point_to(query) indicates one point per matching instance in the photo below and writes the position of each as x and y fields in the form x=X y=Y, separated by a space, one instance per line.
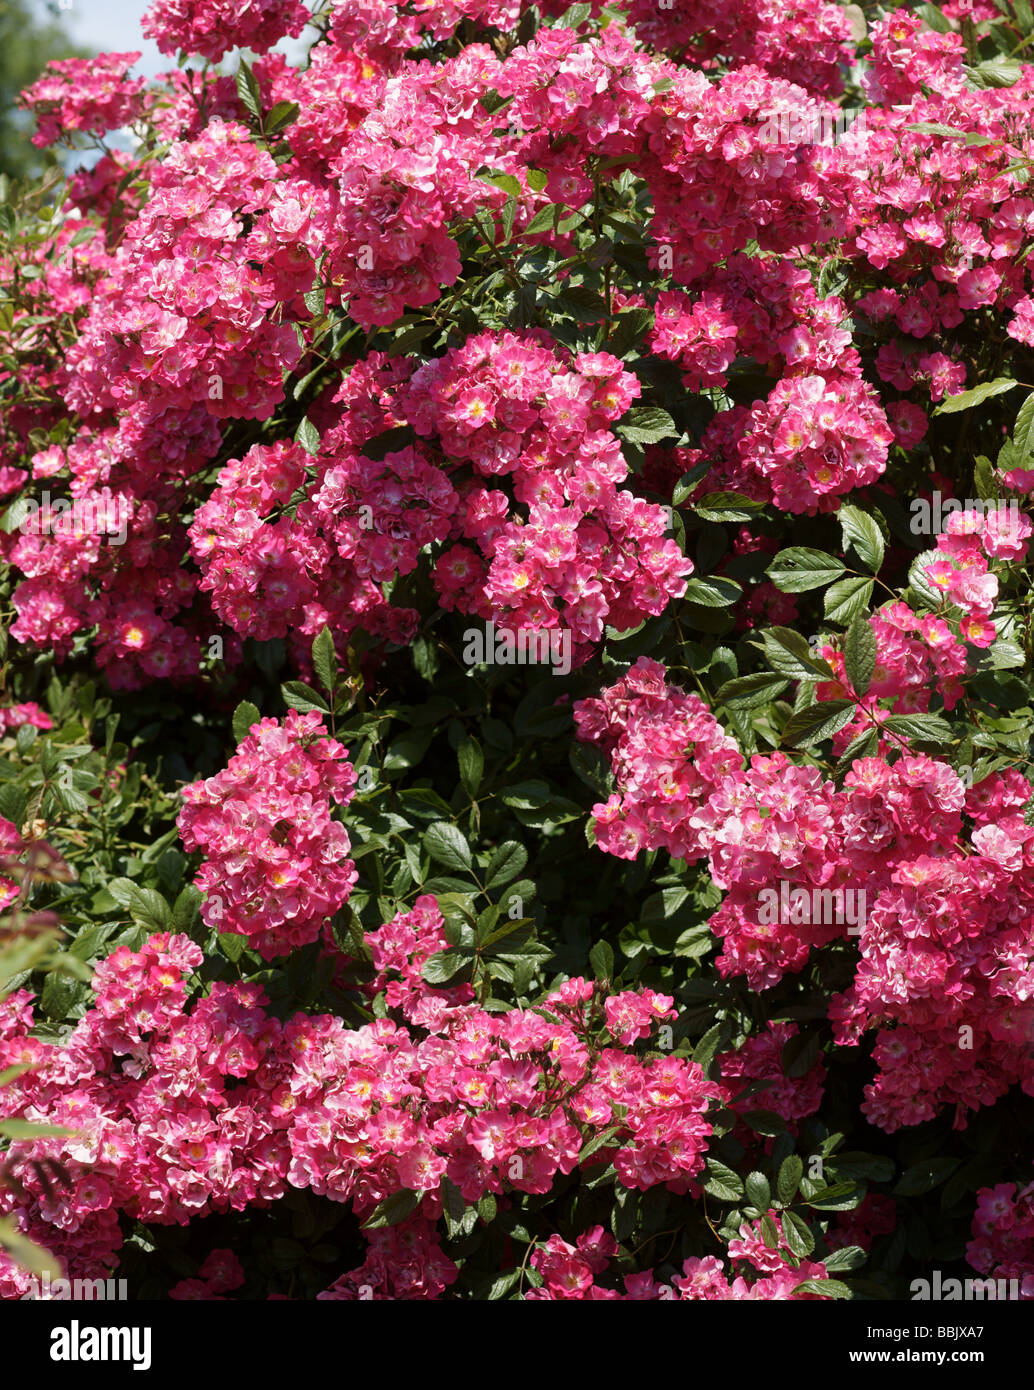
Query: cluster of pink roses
x=570 y=1271
x=588 y=553
x=959 y=569
x=276 y=865
x=1003 y=1235
x=941 y=914
x=212 y=27
x=177 y=302
x=182 y=1107
x=88 y=94
x=188 y=308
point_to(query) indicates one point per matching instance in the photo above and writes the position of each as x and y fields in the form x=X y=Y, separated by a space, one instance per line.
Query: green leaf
x=244 y=716
x=630 y=328
x=597 y=1142
x=985 y=485
x=843 y=1196
x=502 y=1284
x=72 y=800
x=1023 y=432
x=407 y=750
x=860 y=654
x=769 y=1232
x=507 y=182
x=928 y=728
x=765 y=1122
x=709 y=1045
x=122 y=890
x=688 y=482
x=863 y=532
x=978 y=1172
x=60 y=994
x=827 y=1288
x=472 y=765
x=759 y=1194
x=454 y=1205
x=647 y=425
x=281 y=116
x=799 y=568
x=751 y=692
x=392 y=1210
x=13 y=803
x=408 y=339
x=233 y=945
x=722 y=1182
x=799 y=1054
x=1002 y=656
x=601 y=958
x=301 y=697
x=845 y=599
x=26 y=1253
x=789 y=654
x=574 y=17
x=149 y=909
x=544 y=219
x=25 y=738
x=324 y=660
x=727 y=506
x=447 y=844
x=531 y=795
x=590 y=765
x=24 y=1129
x=864 y=746
x=580 y=303
x=664 y=906
x=439 y=969
x=923 y=1177
x=506 y=863
x=514 y=949
x=797 y=1234
x=185 y=909
x=845 y=1259
x=507 y=217
x=994 y=72
x=790 y=1172
x=143 y=904
x=308 y=436
x=934 y=18
x=978 y=394
x=918 y=580
x=713 y=592
x=9 y=1074
x=817 y=722
x=248 y=89
x=936 y=128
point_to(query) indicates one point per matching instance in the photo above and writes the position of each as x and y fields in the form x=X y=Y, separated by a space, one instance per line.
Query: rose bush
x=684 y=361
